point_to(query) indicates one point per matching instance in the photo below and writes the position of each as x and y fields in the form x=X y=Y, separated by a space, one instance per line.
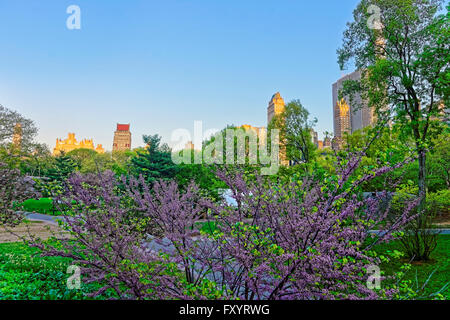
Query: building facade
x=122 y=138
x=260 y=132
x=326 y=142
x=17 y=136
x=314 y=137
x=71 y=143
x=276 y=106
x=349 y=115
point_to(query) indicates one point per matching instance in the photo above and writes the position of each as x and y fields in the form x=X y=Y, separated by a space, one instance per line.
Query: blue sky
x=160 y=65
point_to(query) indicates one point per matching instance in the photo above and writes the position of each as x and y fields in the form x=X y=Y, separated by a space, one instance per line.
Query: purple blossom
x=307 y=240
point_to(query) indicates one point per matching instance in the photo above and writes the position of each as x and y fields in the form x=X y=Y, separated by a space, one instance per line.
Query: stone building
x=122 y=138
x=189 y=146
x=260 y=132
x=71 y=143
x=314 y=137
x=276 y=106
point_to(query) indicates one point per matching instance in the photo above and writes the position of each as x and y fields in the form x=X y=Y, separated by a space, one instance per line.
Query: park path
x=43 y=217
x=54 y=220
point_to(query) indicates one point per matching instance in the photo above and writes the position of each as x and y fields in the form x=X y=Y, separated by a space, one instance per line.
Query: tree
x=438 y=164
x=11 y=123
x=308 y=239
x=37 y=161
x=90 y=161
x=81 y=155
x=14 y=189
x=108 y=241
x=63 y=166
x=405 y=62
x=203 y=176
x=295 y=132
x=121 y=161
x=155 y=161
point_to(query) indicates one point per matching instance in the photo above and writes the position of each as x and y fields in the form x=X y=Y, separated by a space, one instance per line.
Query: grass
x=440 y=261
x=208 y=227
x=43 y=205
x=24 y=275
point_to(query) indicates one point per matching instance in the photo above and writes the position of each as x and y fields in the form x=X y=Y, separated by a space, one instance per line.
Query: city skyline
x=185 y=62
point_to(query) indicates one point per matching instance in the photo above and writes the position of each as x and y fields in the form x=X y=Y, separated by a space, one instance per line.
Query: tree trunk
x=422 y=181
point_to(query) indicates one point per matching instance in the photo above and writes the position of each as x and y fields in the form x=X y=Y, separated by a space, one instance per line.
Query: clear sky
x=160 y=65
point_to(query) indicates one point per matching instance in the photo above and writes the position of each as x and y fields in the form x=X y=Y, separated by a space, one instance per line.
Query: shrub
x=305 y=240
x=419 y=239
x=439 y=203
x=14 y=188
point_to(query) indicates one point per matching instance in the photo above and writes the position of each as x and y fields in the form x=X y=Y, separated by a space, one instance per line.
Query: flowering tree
x=14 y=189
x=108 y=240
x=306 y=240
x=402 y=49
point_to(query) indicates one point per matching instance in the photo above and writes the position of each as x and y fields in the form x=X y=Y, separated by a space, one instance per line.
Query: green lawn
x=26 y=275
x=43 y=205
x=440 y=261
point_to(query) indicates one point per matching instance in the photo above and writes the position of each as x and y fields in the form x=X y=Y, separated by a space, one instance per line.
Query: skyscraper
x=276 y=106
x=349 y=114
x=314 y=137
x=122 y=138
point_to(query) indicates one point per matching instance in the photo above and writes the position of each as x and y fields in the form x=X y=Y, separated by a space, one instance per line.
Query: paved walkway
x=54 y=220
x=43 y=217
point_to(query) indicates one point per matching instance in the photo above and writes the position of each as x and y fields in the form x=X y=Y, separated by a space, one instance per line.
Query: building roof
x=123 y=127
x=277 y=99
x=276 y=96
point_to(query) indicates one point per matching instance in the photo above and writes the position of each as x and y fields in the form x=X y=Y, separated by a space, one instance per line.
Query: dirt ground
x=36 y=228
x=443 y=220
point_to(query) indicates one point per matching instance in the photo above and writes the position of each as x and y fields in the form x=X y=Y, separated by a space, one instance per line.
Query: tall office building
x=349 y=114
x=276 y=106
x=122 y=138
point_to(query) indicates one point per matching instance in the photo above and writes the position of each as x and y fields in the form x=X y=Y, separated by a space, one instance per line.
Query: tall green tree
x=38 y=161
x=90 y=161
x=155 y=161
x=63 y=166
x=295 y=128
x=9 y=120
x=438 y=164
x=17 y=138
x=402 y=48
